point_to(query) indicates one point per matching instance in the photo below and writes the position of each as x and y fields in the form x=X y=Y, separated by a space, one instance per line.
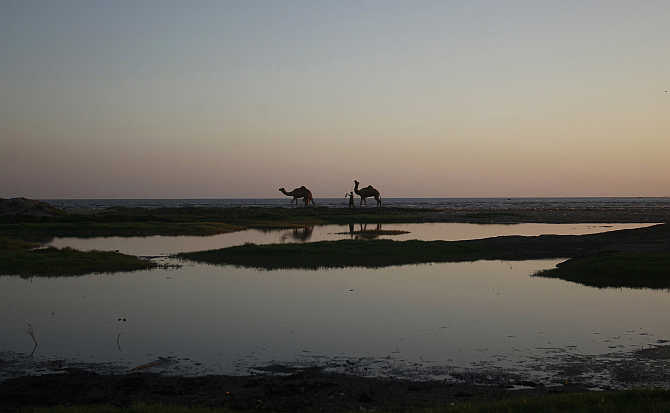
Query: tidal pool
x=403 y=321
x=166 y=245
x=416 y=321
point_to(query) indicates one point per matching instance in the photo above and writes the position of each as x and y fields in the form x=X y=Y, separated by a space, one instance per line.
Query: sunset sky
x=226 y=99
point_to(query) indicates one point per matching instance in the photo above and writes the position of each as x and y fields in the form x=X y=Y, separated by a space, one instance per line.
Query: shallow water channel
x=410 y=321
x=165 y=245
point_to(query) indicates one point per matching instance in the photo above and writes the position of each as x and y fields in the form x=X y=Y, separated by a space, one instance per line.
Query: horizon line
x=338 y=197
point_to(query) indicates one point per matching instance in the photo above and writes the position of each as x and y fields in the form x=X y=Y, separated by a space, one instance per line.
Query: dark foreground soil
x=308 y=390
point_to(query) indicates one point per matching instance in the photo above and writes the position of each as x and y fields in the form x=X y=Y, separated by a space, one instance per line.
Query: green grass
x=66 y=262
x=592 y=402
x=616 y=269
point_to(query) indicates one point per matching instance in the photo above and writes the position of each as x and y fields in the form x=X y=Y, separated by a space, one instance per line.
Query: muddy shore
x=287 y=388
x=305 y=390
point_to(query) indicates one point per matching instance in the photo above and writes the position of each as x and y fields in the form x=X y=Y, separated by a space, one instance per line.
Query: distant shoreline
x=496 y=203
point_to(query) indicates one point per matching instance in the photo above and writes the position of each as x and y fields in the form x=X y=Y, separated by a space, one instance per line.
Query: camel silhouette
x=367 y=192
x=297 y=193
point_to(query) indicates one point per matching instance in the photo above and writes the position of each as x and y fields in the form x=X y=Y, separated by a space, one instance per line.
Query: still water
x=165 y=245
x=395 y=320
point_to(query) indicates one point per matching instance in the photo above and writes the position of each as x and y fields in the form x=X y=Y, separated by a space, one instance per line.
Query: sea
x=451 y=203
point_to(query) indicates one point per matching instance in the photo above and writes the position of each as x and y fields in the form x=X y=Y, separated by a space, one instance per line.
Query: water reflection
x=231 y=319
x=365 y=233
x=303 y=234
x=165 y=245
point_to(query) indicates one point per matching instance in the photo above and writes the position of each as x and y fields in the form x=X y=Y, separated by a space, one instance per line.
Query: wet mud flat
x=290 y=388
x=302 y=390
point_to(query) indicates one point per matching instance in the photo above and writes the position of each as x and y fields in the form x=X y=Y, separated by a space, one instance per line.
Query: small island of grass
x=21 y=258
x=616 y=269
x=625 y=258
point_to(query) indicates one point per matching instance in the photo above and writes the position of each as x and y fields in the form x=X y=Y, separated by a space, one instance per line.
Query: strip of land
x=33 y=221
x=22 y=258
x=380 y=253
x=616 y=269
x=42 y=224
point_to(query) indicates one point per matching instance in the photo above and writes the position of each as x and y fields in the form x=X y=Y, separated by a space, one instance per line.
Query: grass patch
x=593 y=402
x=628 y=267
x=66 y=262
x=343 y=253
x=616 y=269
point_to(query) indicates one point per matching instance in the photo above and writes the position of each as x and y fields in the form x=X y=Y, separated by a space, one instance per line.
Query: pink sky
x=419 y=99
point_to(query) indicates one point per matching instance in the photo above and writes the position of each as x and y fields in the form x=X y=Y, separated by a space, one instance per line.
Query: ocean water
x=452 y=203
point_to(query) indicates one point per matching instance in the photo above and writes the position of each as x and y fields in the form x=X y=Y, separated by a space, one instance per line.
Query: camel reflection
x=298 y=234
x=364 y=232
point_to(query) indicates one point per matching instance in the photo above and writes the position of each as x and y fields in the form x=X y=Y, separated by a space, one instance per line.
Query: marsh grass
x=380 y=253
x=66 y=262
x=615 y=269
x=343 y=253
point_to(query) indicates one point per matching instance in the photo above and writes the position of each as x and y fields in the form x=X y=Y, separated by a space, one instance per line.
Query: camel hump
x=369 y=187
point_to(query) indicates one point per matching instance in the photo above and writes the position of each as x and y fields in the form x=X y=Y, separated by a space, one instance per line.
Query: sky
x=234 y=99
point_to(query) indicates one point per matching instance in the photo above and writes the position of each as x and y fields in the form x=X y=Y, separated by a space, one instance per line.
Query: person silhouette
x=351 y=199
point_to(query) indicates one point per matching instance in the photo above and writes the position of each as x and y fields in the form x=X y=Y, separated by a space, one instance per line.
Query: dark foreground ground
x=289 y=389
x=309 y=390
